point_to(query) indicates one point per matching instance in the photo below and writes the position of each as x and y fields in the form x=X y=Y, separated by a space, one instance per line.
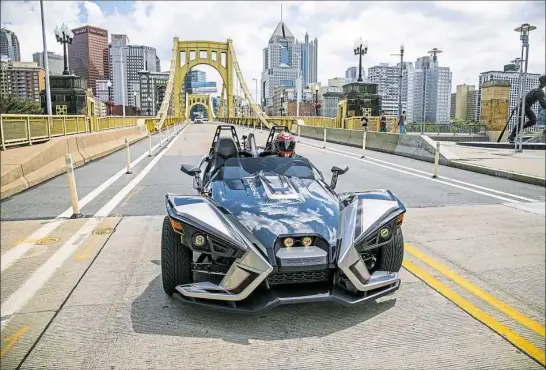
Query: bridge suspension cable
x=253 y=104
x=167 y=102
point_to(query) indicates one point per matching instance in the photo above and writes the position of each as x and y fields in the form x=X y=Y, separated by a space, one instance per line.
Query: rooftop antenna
x=434 y=53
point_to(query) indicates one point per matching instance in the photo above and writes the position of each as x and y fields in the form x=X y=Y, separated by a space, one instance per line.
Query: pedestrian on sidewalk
x=402 y=122
x=364 y=122
x=383 y=123
x=533 y=96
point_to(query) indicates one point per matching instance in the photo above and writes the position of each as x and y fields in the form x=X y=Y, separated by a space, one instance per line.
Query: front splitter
x=265 y=300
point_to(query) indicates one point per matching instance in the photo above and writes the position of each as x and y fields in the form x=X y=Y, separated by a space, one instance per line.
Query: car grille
x=298 y=277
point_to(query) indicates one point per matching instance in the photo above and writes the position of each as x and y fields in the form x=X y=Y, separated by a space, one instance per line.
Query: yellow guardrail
x=151 y=123
x=355 y=123
x=115 y=122
x=27 y=129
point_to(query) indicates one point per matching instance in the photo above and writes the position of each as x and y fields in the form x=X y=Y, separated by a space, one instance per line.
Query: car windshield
x=238 y=168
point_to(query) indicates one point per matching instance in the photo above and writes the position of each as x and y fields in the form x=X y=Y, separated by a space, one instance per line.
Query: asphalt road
x=86 y=293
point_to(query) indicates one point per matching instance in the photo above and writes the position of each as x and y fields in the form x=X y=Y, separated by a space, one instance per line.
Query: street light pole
x=64 y=36
x=46 y=62
x=524 y=30
x=360 y=49
x=316 y=98
x=401 y=55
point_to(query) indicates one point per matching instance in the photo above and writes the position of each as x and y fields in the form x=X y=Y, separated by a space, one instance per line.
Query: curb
x=56 y=172
x=528 y=179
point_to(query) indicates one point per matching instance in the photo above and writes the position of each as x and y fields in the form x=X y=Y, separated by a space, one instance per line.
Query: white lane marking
x=8 y=258
x=18 y=251
x=421 y=176
x=443 y=177
x=38 y=279
x=99 y=189
x=116 y=199
x=26 y=291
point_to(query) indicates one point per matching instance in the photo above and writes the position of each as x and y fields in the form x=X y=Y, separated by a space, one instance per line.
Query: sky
x=474 y=36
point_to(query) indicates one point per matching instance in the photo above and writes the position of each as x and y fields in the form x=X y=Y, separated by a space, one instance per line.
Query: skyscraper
x=87 y=55
x=511 y=76
x=9 y=46
x=309 y=60
x=426 y=88
x=388 y=83
x=55 y=62
x=129 y=60
x=461 y=102
x=352 y=74
x=280 y=62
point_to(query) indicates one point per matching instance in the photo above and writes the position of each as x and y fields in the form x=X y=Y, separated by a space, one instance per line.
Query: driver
x=284 y=145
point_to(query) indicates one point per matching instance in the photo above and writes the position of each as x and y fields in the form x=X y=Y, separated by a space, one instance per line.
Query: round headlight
x=199 y=240
x=384 y=233
x=288 y=242
x=307 y=241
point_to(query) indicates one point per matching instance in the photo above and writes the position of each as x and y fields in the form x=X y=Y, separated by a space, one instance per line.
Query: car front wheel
x=176 y=259
x=391 y=254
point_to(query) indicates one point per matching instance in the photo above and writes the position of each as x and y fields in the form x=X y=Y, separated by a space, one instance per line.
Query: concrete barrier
x=413 y=146
x=26 y=167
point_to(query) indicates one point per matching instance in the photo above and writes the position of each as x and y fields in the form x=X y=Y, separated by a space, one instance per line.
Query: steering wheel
x=245 y=153
x=295 y=162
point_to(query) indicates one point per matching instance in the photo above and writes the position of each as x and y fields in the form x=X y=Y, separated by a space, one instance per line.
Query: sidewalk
x=529 y=166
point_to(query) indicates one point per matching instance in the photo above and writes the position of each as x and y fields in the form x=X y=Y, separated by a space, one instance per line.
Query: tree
x=11 y=105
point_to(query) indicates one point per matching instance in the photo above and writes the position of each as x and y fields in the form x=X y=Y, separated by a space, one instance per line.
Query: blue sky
x=475 y=36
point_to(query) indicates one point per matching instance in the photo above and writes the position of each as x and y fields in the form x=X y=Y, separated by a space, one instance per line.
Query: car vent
x=298 y=277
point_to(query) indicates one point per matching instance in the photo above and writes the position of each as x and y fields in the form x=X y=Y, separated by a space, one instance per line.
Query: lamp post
x=360 y=49
x=64 y=36
x=523 y=30
x=46 y=62
x=401 y=55
x=316 y=98
x=282 y=108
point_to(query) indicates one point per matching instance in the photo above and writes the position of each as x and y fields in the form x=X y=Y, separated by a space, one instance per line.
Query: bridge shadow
x=153 y=312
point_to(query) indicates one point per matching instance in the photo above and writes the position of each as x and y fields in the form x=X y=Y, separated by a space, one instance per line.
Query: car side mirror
x=336 y=171
x=190 y=170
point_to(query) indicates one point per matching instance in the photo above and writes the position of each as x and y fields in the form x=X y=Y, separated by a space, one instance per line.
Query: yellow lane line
x=12 y=339
x=498 y=304
x=90 y=246
x=523 y=344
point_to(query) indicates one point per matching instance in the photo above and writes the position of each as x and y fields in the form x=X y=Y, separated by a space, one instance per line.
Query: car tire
x=176 y=259
x=391 y=254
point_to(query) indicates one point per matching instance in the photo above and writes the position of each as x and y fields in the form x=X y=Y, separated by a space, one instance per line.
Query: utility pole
x=46 y=62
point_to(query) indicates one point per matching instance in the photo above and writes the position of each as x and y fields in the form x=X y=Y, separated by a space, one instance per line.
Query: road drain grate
x=46 y=241
x=103 y=231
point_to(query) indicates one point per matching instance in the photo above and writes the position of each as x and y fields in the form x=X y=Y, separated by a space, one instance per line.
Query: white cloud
x=474 y=36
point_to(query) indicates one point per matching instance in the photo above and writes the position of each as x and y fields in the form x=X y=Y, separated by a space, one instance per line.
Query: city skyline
x=456 y=31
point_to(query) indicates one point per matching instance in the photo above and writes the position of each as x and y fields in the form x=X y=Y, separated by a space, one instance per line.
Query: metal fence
x=437 y=128
x=28 y=129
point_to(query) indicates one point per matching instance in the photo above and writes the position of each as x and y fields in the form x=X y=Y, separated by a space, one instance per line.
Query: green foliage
x=11 y=105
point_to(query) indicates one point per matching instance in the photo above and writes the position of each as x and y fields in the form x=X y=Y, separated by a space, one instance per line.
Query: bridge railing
x=437 y=128
x=18 y=129
x=116 y=122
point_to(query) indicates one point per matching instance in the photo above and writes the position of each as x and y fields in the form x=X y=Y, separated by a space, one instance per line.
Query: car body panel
x=254 y=204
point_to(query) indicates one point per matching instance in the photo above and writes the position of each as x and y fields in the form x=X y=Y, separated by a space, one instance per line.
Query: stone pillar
x=495 y=107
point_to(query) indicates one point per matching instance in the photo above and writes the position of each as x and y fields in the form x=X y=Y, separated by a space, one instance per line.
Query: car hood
x=269 y=206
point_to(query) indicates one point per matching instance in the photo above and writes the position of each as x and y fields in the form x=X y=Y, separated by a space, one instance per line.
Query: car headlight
x=288 y=242
x=199 y=241
x=307 y=241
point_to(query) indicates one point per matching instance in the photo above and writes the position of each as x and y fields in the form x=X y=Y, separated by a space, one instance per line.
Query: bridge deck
x=94 y=300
